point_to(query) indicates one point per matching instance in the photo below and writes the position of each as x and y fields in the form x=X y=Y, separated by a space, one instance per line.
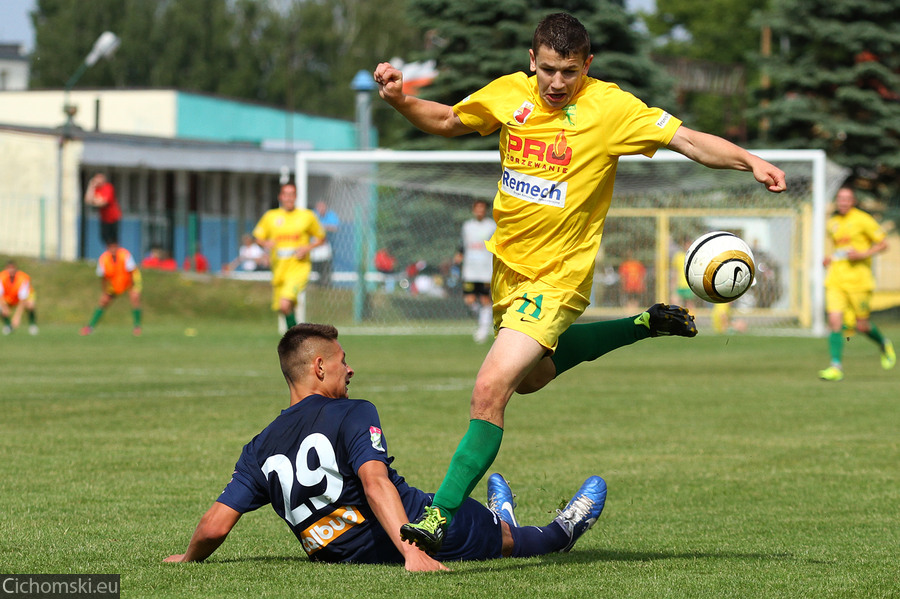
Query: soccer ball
x=719 y=267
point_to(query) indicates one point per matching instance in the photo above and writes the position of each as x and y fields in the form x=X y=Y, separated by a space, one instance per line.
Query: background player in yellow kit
x=849 y=284
x=16 y=295
x=289 y=234
x=561 y=133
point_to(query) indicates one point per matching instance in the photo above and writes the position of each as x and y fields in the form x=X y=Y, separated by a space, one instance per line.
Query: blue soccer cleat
x=501 y=499
x=582 y=510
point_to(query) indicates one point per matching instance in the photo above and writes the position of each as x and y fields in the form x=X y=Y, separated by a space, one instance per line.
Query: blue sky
x=15 y=24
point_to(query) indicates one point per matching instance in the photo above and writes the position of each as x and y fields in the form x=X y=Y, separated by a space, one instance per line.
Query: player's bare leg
x=510 y=358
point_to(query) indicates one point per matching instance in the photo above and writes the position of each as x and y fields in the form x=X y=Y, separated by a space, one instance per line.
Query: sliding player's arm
x=211 y=532
x=383 y=498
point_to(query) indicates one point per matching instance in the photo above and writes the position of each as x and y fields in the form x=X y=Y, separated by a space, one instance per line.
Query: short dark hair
x=297 y=347
x=564 y=34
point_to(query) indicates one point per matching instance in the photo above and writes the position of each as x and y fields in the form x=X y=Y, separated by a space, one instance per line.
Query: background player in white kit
x=477 y=266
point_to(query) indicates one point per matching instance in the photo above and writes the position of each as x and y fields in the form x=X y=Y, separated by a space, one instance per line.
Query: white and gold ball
x=719 y=267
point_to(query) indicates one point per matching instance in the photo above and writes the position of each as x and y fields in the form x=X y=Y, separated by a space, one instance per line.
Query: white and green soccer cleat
x=832 y=373
x=888 y=357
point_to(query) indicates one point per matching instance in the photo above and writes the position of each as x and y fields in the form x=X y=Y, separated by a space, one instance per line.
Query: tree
x=327 y=42
x=836 y=85
x=297 y=55
x=476 y=41
x=193 y=45
x=714 y=35
x=65 y=32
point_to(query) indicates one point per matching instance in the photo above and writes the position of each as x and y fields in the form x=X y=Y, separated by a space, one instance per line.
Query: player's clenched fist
x=389 y=80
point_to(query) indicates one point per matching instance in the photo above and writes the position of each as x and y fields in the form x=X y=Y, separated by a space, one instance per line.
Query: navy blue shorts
x=474 y=534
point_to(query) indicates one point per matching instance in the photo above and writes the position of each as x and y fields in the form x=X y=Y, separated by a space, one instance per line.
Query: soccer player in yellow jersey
x=289 y=234
x=855 y=237
x=561 y=133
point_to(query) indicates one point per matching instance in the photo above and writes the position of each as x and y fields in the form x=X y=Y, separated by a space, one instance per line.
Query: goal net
x=393 y=268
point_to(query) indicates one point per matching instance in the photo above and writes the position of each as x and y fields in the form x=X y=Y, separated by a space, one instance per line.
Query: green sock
x=97 y=314
x=7 y=321
x=836 y=347
x=32 y=318
x=875 y=335
x=290 y=320
x=474 y=455
x=586 y=342
x=136 y=315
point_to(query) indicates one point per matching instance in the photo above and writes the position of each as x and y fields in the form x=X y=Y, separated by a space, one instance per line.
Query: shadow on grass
x=600 y=556
x=577 y=557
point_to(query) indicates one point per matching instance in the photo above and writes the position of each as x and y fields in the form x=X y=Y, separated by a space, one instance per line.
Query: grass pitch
x=732 y=471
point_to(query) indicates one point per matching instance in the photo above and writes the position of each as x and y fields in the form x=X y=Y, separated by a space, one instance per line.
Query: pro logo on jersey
x=521 y=115
x=375 y=436
x=329 y=528
x=523 y=149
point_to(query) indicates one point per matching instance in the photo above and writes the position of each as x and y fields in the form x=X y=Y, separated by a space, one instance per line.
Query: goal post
x=410 y=206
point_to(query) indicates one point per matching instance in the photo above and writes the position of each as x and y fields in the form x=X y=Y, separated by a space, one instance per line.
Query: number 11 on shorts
x=536 y=302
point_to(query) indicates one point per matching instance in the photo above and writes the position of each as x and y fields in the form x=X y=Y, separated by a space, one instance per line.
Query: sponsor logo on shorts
x=329 y=528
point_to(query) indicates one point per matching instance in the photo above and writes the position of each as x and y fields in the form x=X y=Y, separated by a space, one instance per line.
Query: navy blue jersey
x=305 y=464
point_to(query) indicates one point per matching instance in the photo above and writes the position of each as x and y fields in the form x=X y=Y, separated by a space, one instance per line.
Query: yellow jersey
x=289 y=231
x=558 y=169
x=854 y=230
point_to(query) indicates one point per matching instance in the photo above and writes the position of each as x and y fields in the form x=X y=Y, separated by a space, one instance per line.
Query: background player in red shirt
x=101 y=194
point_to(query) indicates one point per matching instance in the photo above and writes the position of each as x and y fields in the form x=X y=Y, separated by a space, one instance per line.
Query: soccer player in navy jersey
x=323 y=464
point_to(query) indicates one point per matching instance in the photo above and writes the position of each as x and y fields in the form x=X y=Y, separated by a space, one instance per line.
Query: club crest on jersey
x=375 y=436
x=521 y=115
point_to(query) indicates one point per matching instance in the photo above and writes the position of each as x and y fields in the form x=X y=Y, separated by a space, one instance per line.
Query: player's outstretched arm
x=214 y=526
x=716 y=152
x=430 y=117
x=385 y=502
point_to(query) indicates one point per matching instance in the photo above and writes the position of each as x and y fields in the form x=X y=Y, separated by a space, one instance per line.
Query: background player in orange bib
x=561 y=134
x=119 y=274
x=16 y=295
